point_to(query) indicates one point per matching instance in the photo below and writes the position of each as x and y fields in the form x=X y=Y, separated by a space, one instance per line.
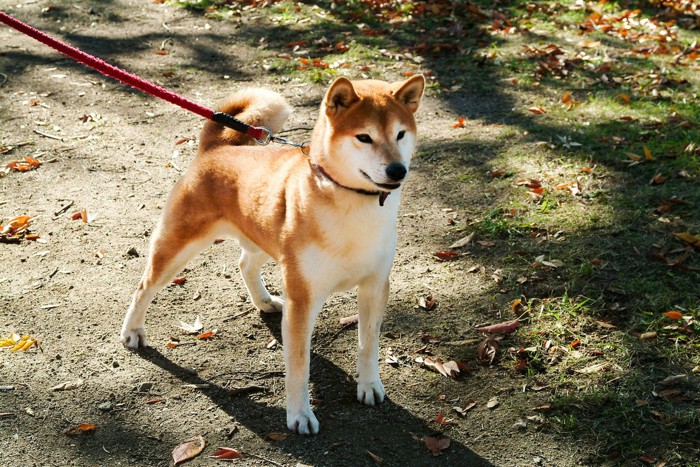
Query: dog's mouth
x=385 y=186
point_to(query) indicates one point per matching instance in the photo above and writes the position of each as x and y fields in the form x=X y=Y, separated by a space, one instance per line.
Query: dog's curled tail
x=254 y=106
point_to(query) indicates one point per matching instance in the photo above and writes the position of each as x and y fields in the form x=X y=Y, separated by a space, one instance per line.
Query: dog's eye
x=400 y=136
x=364 y=138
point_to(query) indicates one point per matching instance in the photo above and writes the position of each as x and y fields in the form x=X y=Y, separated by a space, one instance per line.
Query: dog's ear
x=409 y=92
x=340 y=96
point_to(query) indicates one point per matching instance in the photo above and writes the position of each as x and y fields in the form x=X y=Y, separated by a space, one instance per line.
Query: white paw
x=133 y=338
x=304 y=422
x=370 y=393
x=273 y=305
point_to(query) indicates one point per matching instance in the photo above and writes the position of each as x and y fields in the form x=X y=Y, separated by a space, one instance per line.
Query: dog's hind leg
x=372 y=296
x=251 y=263
x=170 y=252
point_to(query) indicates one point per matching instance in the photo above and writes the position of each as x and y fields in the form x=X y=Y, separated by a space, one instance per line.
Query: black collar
x=382 y=194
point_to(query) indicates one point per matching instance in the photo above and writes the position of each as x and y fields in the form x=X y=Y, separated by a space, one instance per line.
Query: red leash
x=261 y=134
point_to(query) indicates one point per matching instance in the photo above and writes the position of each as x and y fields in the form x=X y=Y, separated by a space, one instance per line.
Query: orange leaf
x=189 y=449
x=179 y=280
x=647 y=154
x=161 y=52
x=207 y=335
x=564 y=186
x=624 y=98
x=460 y=122
x=673 y=314
x=82 y=428
x=537 y=110
x=575 y=343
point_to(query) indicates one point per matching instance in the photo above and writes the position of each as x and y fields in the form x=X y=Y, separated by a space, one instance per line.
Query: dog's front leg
x=372 y=296
x=298 y=320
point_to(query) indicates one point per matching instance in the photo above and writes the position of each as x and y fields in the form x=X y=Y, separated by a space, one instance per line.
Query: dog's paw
x=370 y=393
x=133 y=338
x=273 y=305
x=304 y=423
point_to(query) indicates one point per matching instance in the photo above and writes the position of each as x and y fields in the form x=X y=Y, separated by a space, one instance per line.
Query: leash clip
x=266 y=137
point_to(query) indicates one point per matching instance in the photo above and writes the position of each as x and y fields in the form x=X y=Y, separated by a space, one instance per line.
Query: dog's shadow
x=348 y=429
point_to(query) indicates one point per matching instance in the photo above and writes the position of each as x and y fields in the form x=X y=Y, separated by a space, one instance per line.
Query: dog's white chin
x=388 y=187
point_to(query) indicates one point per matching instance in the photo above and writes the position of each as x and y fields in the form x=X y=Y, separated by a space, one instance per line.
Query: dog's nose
x=396 y=171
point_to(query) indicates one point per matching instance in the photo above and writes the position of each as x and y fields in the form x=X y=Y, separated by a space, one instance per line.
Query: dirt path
x=115 y=153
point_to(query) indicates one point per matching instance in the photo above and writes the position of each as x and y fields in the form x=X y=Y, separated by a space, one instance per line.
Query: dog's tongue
x=382 y=197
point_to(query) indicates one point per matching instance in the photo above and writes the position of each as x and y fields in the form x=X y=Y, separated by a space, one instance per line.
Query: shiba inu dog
x=327 y=219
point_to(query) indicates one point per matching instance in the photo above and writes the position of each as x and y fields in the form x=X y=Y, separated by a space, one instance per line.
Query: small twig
x=262 y=458
x=4 y=78
x=237 y=315
x=47 y=135
x=64 y=209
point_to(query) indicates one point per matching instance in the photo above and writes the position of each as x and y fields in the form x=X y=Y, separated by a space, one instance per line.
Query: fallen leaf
x=272 y=344
x=493 y=403
x=427 y=303
x=224 y=454
x=647 y=154
x=375 y=457
x=537 y=110
x=193 y=328
x=487 y=350
x=350 y=319
x=276 y=436
x=207 y=335
x=80 y=429
x=462 y=242
x=461 y=123
x=68 y=385
x=593 y=368
x=189 y=449
x=672 y=380
x=447 y=255
x=179 y=280
x=470 y=404
x=657 y=179
x=648 y=335
x=624 y=98
x=673 y=314
x=441 y=420
x=685 y=237
x=436 y=445
x=501 y=328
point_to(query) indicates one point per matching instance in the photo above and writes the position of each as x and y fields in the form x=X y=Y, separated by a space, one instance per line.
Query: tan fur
x=279 y=204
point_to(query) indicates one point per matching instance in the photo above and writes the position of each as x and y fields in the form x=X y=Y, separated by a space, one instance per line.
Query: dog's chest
x=353 y=245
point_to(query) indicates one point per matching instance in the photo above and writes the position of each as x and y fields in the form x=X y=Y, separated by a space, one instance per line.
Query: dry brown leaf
x=189 y=449
x=501 y=328
x=225 y=454
x=470 y=404
x=276 y=436
x=487 y=350
x=436 y=445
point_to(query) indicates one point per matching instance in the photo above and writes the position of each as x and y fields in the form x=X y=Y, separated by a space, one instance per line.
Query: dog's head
x=366 y=133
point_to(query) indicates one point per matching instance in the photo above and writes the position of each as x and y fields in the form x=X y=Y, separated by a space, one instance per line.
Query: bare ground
x=114 y=152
